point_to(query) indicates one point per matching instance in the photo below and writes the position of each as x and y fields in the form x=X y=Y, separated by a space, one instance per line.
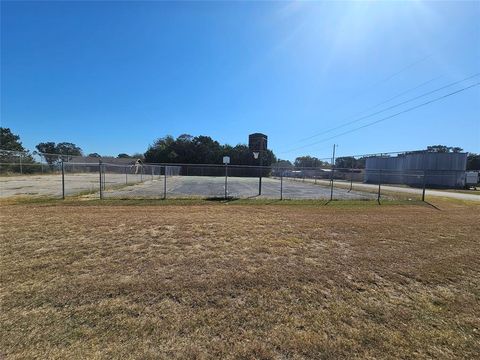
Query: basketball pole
x=260 y=180
x=226 y=181
x=261 y=169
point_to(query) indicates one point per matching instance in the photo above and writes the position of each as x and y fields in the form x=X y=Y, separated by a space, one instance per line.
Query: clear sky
x=114 y=76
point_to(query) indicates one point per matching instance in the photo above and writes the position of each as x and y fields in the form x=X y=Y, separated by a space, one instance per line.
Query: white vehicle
x=471 y=179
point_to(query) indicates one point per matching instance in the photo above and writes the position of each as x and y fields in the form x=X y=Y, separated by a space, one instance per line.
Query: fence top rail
x=66 y=163
x=286 y=171
x=222 y=166
x=190 y=165
x=28 y=153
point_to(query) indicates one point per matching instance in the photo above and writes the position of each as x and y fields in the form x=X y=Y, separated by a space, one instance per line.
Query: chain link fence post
x=351 y=174
x=63 y=181
x=165 y=182
x=100 y=178
x=281 y=184
x=331 y=182
x=104 y=176
x=424 y=184
x=333 y=173
x=379 y=185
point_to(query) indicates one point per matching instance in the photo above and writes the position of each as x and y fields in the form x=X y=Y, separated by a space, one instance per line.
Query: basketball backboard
x=257 y=142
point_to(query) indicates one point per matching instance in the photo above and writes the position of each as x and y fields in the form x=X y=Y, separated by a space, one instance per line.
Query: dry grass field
x=239 y=281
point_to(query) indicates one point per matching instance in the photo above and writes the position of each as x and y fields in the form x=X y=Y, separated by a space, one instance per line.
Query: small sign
x=226 y=160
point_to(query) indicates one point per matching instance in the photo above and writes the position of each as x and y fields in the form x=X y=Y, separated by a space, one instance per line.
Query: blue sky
x=114 y=76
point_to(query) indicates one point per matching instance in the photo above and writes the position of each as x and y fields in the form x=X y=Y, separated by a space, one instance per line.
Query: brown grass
x=240 y=281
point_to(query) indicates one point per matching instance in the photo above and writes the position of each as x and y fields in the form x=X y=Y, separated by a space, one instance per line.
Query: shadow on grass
x=222 y=199
x=433 y=206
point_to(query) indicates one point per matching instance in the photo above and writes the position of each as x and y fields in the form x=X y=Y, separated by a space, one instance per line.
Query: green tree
x=47 y=151
x=53 y=153
x=473 y=161
x=360 y=163
x=309 y=161
x=94 y=155
x=349 y=162
x=202 y=150
x=443 y=149
x=67 y=148
x=161 y=151
x=284 y=164
x=206 y=150
x=123 y=156
x=10 y=141
x=13 y=155
x=345 y=162
x=138 y=156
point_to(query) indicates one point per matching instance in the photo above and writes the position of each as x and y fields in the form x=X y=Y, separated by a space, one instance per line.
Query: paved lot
x=147 y=186
x=473 y=196
x=177 y=186
x=51 y=185
x=197 y=186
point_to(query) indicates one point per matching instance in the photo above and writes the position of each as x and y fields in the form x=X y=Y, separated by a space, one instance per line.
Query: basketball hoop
x=255 y=154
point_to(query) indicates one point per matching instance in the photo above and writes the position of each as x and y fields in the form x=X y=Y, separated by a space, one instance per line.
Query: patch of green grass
x=462 y=191
x=79 y=201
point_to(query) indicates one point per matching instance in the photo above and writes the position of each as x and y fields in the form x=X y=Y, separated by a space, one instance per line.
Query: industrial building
x=442 y=170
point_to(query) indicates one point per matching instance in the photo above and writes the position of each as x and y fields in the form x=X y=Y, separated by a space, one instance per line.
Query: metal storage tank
x=444 y=169
x=388 y=170
x=440 y=169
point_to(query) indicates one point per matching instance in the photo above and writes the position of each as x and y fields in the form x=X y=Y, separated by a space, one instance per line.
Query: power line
x=390 y=116
x=391 y=107
x=401 y=112
x=383 y=102
x=405 y=68
x=404 y=92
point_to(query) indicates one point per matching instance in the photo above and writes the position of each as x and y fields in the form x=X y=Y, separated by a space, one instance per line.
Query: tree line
x=201 y=149
x=187 y=149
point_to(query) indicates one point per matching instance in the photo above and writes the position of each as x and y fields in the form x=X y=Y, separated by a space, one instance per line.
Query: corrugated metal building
x=440 y=169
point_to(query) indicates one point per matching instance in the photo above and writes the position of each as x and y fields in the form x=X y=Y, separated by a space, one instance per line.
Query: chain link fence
x=65 y=176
